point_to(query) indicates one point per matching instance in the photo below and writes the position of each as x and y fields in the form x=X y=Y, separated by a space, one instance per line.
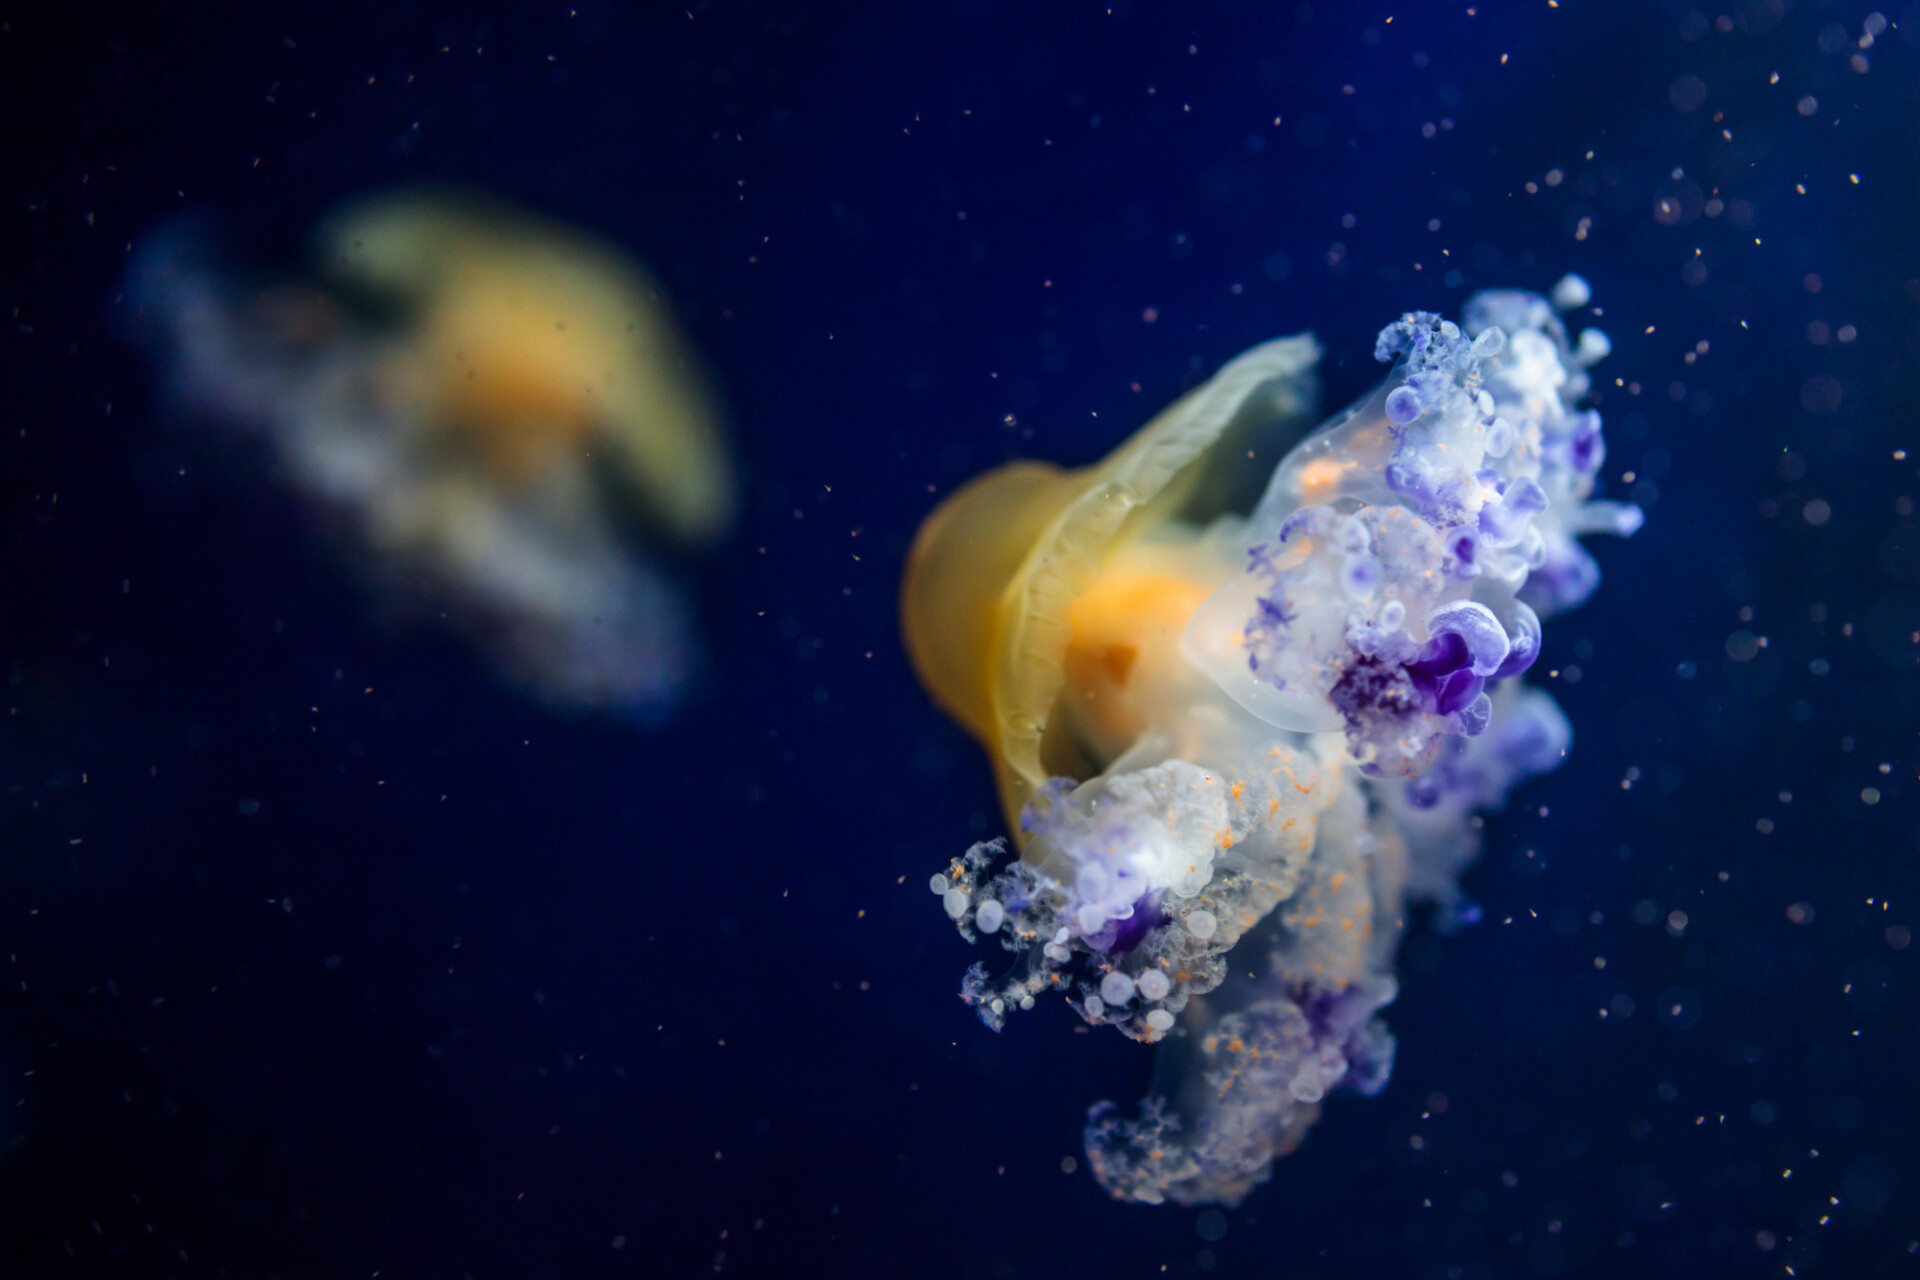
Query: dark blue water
x=326 y=956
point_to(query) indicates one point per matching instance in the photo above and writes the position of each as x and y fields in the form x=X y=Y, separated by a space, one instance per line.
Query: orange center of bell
x=512 y=384
x=1125 y=652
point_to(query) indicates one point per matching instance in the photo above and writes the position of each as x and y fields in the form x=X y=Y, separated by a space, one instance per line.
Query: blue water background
x=326 y=956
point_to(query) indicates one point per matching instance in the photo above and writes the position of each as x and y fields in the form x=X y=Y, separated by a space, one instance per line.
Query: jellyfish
x=497 y=413
x=1241 y=715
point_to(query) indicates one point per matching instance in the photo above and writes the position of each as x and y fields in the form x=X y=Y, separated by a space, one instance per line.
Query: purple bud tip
x=1443 y=673
x=1463 y=544
x=1627 y=521
x=1526 y=643
x=1476 y=715
x=1403 y=405
x=1486 y=640
x=1526 y=498
x=1131 y=932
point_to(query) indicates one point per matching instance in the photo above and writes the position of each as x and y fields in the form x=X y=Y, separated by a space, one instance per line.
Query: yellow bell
x=1014 y=597
x=529 y=339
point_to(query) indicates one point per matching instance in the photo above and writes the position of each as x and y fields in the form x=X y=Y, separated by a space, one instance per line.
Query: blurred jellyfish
x=1232 y=747
x=493 y=407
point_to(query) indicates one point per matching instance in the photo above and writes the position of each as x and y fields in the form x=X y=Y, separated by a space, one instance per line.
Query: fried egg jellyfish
x=496 y=407
x=1233 y=747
